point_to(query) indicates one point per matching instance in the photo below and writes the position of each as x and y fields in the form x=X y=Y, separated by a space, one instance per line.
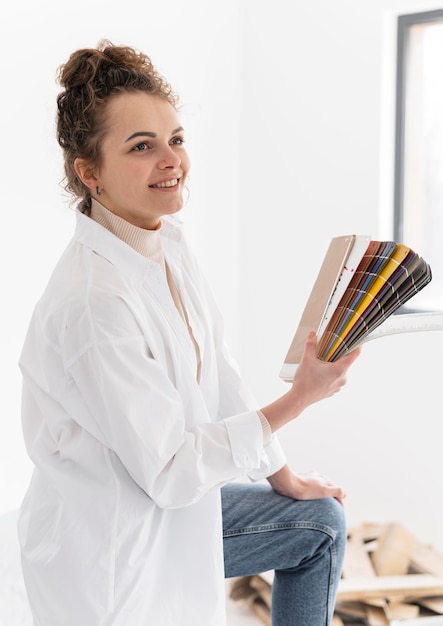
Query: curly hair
x=90 y=77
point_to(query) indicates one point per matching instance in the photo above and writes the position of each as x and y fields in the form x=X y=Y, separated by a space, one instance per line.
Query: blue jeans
x=302 y=540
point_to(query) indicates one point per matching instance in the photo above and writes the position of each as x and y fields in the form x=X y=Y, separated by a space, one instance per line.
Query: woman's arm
x=314 y=380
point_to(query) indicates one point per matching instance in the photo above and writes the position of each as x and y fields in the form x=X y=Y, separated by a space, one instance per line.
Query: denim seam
x=331 y=586
x=264 y=528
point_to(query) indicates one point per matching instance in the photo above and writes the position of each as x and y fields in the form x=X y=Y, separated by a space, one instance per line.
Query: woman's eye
x=178 y=141
x=140 y=147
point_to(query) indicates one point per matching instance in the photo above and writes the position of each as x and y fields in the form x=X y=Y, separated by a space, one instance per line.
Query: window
x=418 y=201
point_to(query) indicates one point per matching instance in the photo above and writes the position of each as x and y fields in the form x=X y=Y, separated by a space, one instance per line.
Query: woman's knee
x=332 y=515
x=327 y=522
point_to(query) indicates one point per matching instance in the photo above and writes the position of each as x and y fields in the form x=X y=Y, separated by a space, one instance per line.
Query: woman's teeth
x=168 y=183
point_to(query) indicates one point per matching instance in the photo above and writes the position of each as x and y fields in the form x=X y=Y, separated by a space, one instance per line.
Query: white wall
x=288 y=115
x=316 y=153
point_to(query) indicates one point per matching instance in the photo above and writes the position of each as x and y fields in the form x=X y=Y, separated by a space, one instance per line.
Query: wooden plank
x=402 y=611
x=390 y=587
x=419 y=621
x=240 y=588
x=376 y=616
x=263 y=588
x=351 y=609
x=426 y=560
x=379 y=602
x=392 y=555
x=370 y=531
x=434 y=604
x=357 y=562
x=261 y=611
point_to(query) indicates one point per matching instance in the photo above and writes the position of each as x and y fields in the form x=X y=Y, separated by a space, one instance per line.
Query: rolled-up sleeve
x=262 y=461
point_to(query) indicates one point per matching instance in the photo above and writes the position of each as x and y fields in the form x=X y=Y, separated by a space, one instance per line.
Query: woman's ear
x=86 y=173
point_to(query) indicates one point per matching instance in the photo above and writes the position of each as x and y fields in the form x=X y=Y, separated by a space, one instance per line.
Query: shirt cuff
x=266 y=427
x=246 y=438
x=276 y=456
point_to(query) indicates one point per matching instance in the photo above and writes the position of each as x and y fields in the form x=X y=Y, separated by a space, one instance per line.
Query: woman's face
x=144 y=162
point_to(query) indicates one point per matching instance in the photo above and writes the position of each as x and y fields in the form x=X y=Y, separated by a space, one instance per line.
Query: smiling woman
x=134 y=414
x=142 y=173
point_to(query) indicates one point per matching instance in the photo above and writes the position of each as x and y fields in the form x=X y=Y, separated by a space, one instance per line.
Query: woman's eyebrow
x=141 y=133
x=147 y=133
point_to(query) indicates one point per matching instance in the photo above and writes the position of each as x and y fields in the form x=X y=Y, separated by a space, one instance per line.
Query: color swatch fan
x=361 y=283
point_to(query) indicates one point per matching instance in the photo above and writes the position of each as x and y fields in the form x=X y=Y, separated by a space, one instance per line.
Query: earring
x=97 y=191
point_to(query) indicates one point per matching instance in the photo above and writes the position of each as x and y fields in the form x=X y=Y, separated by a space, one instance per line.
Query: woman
x=133 y=413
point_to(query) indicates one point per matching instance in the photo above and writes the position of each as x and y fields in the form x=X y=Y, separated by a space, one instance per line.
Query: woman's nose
x=169 y=158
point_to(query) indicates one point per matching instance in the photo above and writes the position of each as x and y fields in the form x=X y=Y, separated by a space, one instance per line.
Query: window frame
x=404 y=23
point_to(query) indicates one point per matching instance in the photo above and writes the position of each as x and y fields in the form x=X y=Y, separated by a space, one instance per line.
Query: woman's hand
x=314 y=380
x=305 y=485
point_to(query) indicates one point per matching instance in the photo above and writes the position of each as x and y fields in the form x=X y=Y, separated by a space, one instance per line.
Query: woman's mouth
x=165 y=184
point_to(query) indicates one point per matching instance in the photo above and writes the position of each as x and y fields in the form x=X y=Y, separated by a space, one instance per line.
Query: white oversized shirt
x=121 y=525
